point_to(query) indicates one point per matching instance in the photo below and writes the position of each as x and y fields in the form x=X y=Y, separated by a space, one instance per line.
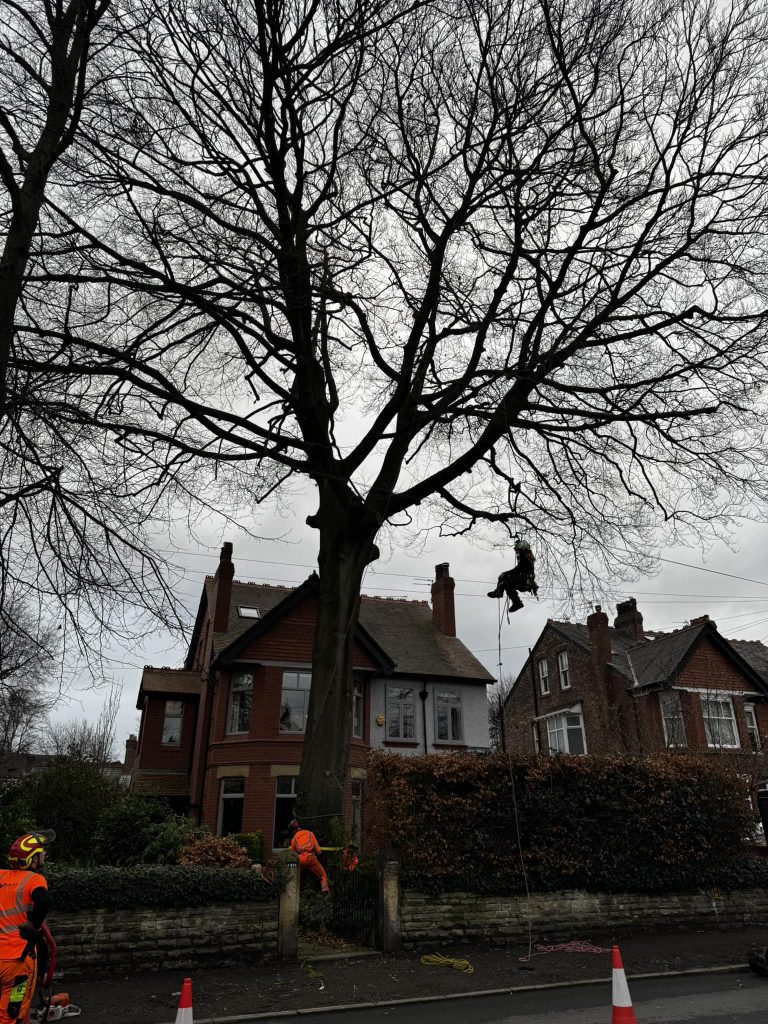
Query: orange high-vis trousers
x=17 y=986
x=308 y=862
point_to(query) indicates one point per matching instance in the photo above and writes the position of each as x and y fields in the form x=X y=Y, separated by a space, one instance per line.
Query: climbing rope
x=438 y=960
x=566 y=947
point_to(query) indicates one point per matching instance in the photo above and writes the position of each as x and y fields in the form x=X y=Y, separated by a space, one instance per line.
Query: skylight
x=246 y=612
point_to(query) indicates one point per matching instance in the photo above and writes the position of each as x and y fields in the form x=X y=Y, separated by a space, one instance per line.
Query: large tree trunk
x=347 y=545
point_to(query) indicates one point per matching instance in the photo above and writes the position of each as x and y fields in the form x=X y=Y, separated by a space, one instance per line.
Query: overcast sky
x=738 y=602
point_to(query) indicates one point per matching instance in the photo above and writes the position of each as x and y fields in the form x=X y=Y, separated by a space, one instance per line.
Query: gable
x=710 y=666
x=289 y=638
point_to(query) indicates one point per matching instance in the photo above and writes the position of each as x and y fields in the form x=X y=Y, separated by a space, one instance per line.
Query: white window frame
x=753 y=731
x=297 y=676
x=240 y=684
x=563 y=670
x=671 y=696
x=358 y=709
x=543 y=669
x=402 y=702
x=450 y=706
x=168 y=717
x=561 y=726
x=717 y=745
x=229 y=796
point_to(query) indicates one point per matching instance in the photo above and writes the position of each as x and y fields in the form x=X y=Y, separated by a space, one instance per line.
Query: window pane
x=357 y=711
x=172 y=722
x=575 y=734
x=442 y=723
x=295 y=701
x=233 y=786
x=285 y=809
x=400 y=713
x=231 y=816
x=240 y=711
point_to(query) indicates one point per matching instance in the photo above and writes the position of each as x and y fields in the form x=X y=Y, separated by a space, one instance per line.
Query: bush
x=252 y=843
x=163 y=887
x=70 y=797
x=142 y=830
x=648 y=824
x=214 y=851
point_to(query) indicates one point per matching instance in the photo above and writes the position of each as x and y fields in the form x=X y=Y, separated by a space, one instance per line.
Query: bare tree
x=71 y=520
x=497 y=698
x=454 y=262
x=81 y=740
x=29 y=651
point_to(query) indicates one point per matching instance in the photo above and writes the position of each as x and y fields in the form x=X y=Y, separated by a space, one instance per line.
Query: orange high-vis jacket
x=304 y=841
x=16 y=888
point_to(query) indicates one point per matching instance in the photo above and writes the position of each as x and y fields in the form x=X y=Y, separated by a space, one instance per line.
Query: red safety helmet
x=23 y=849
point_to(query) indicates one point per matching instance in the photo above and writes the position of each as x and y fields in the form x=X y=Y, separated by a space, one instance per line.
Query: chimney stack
x=224 y=576
x=599 y=639
x=628 y=619
x=443 y=610
x=131 y=748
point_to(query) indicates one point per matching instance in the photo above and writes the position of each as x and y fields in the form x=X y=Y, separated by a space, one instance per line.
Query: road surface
x=703 y=999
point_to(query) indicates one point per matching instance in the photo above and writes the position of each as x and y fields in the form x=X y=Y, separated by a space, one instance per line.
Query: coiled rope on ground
x=438 y=960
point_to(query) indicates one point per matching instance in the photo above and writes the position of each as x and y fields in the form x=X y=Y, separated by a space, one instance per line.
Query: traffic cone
x=622 y=1004
x=184 y=1013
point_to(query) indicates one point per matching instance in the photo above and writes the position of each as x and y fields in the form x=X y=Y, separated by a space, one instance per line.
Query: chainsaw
x=50 y=1006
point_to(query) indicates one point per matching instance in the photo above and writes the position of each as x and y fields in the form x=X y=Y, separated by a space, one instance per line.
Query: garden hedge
x=160 y=886
x=632 y=824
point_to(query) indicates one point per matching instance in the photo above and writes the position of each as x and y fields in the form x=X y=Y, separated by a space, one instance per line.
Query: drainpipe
x=424 y=694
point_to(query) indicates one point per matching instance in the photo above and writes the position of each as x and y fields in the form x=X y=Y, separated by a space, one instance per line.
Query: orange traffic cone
x=622 y=1004
x=184 y=1013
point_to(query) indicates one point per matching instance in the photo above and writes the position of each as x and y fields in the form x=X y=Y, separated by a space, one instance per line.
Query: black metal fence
x=351 y=912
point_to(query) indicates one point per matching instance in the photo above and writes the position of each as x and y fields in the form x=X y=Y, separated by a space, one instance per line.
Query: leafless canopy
x=504 y=258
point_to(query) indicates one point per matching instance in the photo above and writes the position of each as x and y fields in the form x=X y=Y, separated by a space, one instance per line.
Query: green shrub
x=605 y=823
x=252 y=843
x=70 y=797
x=126 y=827
x=160 y=886
x=214 y=851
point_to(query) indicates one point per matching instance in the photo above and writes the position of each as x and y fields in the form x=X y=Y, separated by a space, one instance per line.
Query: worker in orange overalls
x=306 y=845
x=24 y=902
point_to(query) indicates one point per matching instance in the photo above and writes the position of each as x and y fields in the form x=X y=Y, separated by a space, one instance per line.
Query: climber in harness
x=521 y=578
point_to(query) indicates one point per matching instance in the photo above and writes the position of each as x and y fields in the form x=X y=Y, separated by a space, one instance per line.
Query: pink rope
x=567 y=947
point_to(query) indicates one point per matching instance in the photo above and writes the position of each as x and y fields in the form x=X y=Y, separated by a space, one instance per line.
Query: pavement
x=356 y=979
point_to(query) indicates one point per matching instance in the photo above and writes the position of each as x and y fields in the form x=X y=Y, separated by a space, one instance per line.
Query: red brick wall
x=290 y=640
x=519 y=711
x=151 y=753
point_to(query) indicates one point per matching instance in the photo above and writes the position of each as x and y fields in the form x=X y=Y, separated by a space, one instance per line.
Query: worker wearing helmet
x=306 y=845
x=24 y=902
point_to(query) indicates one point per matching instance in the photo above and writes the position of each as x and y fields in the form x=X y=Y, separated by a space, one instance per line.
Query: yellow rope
x=438 y=960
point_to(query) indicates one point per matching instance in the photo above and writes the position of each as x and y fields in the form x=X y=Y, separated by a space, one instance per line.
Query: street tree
x=460 y=264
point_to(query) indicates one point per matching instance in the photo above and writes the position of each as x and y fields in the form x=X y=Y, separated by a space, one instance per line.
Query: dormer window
x=248 y=612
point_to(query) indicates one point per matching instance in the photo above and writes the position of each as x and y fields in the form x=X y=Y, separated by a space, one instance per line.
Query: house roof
x=399 y=634
x=168 y=680
x=658 y=656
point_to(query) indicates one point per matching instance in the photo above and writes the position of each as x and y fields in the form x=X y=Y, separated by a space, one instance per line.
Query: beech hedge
x=634 y=824
x=165 y=887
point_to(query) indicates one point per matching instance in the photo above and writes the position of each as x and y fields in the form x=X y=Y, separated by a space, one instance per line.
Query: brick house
x=593 y=688
x=221 y=738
